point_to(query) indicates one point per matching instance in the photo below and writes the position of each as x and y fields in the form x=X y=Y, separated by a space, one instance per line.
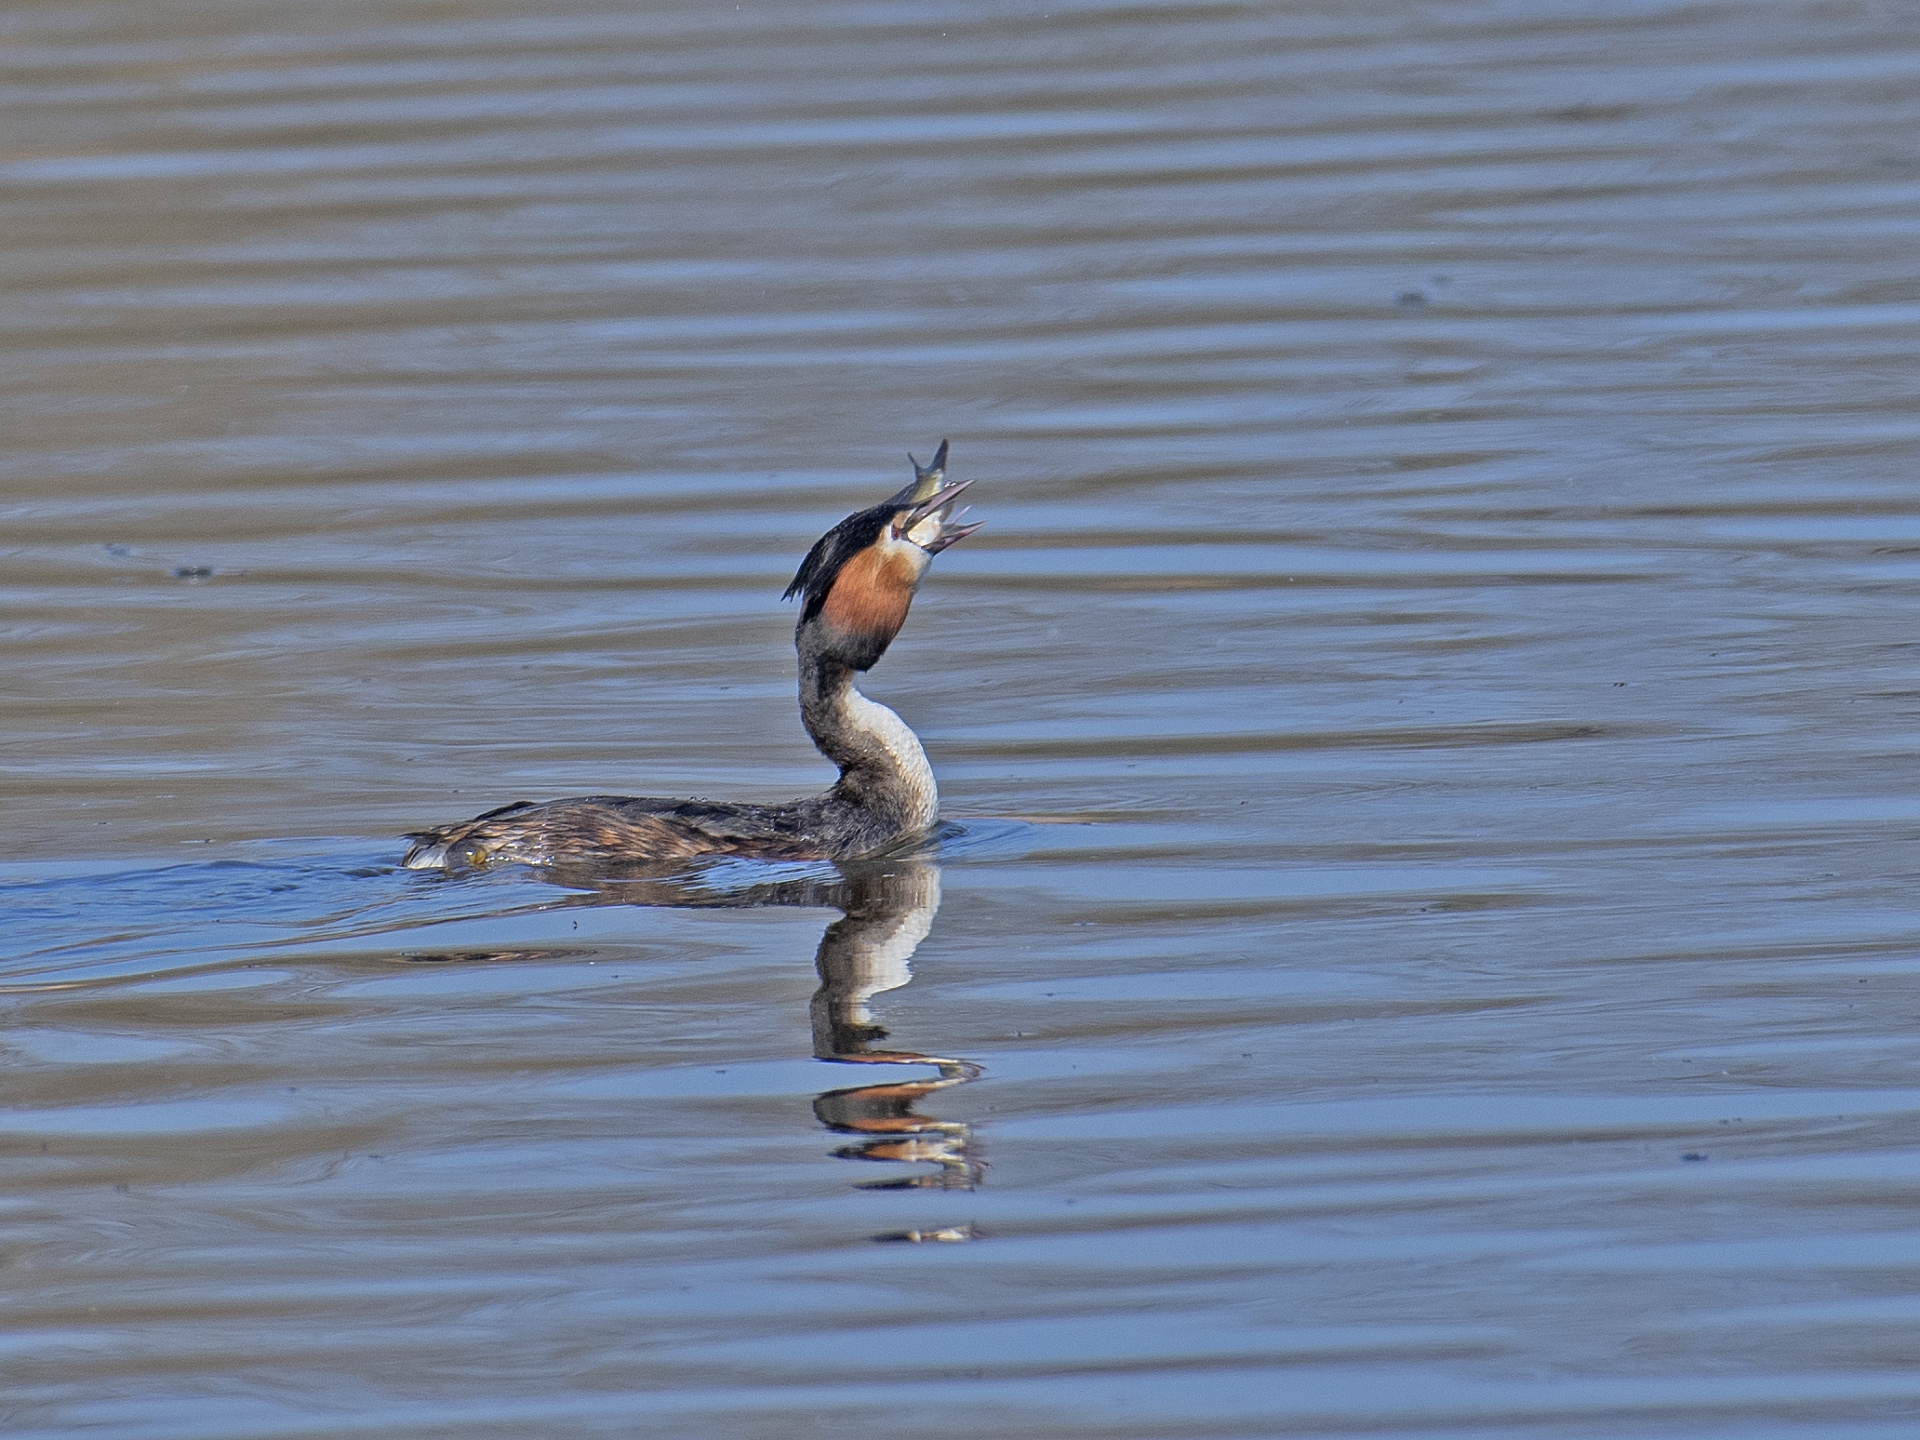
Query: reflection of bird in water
x=887 y=907
x=888 y=914
x=855 y=586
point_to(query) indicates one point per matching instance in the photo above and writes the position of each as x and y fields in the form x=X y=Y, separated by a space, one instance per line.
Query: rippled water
x=1424 y=943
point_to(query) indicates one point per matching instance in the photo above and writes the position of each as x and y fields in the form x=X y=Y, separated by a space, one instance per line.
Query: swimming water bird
x=855 y=587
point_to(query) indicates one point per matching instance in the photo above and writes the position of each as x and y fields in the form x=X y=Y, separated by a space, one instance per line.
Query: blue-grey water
x=1425 y=943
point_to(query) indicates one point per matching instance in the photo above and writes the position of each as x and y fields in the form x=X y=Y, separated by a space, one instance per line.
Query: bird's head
x=858 y=580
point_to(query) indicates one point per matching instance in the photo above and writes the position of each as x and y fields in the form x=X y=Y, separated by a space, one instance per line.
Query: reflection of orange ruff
x=910 y=1150
x=871 y=594
x=883 y=1116
x=880 y=1109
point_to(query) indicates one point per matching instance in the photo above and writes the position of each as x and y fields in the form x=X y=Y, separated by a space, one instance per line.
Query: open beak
x=930 y=524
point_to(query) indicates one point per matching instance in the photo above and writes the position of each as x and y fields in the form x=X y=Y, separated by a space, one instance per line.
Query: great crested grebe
x=855 y=586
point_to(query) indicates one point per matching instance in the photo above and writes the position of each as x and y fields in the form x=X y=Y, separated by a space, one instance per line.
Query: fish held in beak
x=931 y=523
x=926 y=478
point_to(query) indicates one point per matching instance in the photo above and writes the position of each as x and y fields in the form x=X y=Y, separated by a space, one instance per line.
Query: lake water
x=1426 y=939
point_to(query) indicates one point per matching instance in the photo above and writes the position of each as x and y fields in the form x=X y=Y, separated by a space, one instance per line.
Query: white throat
x=893 y=735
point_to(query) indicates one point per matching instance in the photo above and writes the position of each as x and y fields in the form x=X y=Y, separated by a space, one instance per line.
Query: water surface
x=1426 y=942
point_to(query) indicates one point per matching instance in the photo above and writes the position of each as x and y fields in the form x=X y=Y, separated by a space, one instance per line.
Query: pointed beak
x=930 y=523
x=950 y=535
x=941 y=499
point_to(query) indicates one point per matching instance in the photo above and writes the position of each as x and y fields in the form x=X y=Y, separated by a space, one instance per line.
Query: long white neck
x=883 y=770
